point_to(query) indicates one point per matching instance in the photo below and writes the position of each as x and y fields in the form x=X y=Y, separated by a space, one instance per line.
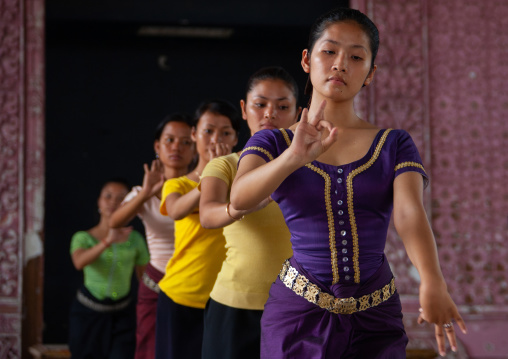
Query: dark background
x=107 y=87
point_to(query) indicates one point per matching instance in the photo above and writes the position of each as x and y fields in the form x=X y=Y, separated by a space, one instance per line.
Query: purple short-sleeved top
x=338 y=216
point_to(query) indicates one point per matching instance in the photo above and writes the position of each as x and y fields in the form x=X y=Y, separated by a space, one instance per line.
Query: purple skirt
x=292 y=327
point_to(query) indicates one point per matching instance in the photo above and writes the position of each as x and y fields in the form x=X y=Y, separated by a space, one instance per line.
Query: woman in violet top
x=103 y=318
x=199 y=252
x=257 y=243
x=174 y=150
x=337 y=178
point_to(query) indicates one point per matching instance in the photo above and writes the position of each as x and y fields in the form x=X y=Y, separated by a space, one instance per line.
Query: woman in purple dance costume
x=337 y=179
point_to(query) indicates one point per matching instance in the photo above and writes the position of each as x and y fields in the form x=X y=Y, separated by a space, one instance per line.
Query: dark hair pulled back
x=341 y=15
x=273 y=73
x=219 y=107
x=175 y=117
x=118 y=180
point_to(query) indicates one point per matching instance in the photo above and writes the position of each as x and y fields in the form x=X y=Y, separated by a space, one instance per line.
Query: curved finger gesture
x=313 y=136
x=218 y=150
x=153 y=178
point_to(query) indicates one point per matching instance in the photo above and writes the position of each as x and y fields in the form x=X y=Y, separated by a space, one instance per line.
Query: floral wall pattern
x=441 y=76
x=10 y=206
x=21 y=159
x=442 y=71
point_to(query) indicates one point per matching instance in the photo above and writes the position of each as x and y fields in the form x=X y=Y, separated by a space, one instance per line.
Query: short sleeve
x=222 y=168
x=263 y=144
x=82 y=240
x=172 y=185
x=143 y=256
x=131 y=195
x=407 y=157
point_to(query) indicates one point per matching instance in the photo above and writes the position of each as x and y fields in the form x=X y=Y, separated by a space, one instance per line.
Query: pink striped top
x=159 y=230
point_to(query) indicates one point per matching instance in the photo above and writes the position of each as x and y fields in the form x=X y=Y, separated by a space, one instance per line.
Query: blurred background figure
x=199 y=252
x=102 y=318
x=174 y=150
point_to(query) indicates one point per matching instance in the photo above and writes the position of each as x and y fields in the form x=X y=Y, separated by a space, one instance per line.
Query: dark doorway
x=108 y=86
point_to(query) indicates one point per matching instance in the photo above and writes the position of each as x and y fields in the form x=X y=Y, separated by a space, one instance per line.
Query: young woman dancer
x=103 y=318
x=191 y=272
x=257 y=240
x=174 y=150
x=337 y=178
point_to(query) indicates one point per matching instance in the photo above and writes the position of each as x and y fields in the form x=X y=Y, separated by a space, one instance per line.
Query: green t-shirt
x=109 y=276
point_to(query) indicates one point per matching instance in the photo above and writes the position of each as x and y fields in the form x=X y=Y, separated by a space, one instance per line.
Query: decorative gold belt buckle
x=344 y=305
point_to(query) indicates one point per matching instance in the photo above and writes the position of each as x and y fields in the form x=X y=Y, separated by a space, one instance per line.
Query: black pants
x=231 y=333
x=99 y=335
x=178 y=330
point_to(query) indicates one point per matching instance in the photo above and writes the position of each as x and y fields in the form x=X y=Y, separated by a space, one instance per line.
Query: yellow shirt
x=199 y=253
x=256 y=248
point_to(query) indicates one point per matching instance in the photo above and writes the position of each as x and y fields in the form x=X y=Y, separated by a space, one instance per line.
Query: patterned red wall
x=21 y=159
x=442 y=72
x=441 y=75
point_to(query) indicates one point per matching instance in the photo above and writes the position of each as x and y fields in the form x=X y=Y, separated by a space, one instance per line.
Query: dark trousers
x=231 y=333
x=98 y=335
x=179 y=330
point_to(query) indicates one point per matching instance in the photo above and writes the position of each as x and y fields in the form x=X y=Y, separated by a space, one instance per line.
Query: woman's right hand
x=153 y=180
x=218 y=150
x=309 y=141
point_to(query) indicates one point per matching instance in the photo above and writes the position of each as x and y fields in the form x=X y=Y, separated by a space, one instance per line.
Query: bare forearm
x=214 y=215
x=418 y=239
x=411 y=222
x=83 y=257
x=123 y=215
x=254 y=185
x=179 y=207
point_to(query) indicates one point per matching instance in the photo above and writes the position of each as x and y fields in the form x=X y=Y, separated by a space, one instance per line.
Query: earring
x=156 y=156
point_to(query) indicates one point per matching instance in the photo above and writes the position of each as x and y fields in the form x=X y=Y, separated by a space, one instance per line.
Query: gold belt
x=150 y=283
x=299 y=284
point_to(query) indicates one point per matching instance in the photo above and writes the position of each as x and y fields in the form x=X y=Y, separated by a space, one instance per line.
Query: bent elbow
x=176 y=216
x=236 y=201
x=206 y=224
x=113 y=223
x=206 y=218
x=78 y=265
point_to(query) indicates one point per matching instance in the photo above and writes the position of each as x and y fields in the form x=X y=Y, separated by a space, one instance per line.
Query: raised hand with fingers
x=153 y=180
x=218 y=150
x=313 y=136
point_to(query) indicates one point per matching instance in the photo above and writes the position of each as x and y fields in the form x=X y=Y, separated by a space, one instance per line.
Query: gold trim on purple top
x=352 y=219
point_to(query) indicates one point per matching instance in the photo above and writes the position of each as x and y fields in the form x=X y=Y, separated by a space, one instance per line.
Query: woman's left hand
x=118 y=235
x=437 y=307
